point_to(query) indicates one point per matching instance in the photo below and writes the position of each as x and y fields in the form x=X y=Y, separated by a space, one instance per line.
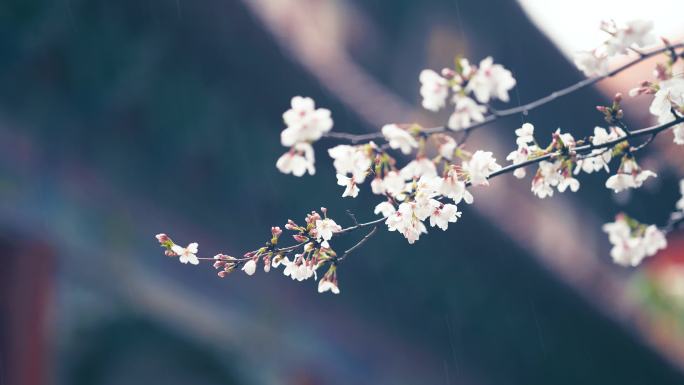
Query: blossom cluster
x=418 y=190
x=633 y=241
x=305 y=125
x=632 y=35
x=559 y=172
x=555 y=173
x=471 y=88
x=668 y=100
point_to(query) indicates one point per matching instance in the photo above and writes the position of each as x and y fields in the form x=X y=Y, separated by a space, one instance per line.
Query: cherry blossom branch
x=653 y=131
x=250 y=254
x=498 y=114
x=416 y=192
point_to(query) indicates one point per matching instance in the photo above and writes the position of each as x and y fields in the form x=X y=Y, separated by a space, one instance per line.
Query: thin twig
x=360 y=225
x=358 y=244
x=353 y=217
x=644 y=144
x=354 y=138
x=285 y=250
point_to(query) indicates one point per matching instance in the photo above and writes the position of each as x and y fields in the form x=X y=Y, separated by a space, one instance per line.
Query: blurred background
x=122 y=119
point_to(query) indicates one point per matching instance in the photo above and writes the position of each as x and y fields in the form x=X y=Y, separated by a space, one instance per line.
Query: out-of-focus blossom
x=399 y=138
x=434 y=90
x=480 y=166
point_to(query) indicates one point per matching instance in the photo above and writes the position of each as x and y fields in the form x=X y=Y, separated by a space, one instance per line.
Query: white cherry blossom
x=446 y=147
x=632 y=245
x=325 y=229
x=568 y=182
x=520 y=155
x=591 y=63
x=385 y=209
x=327 y=285
x=680 y=202
x=525 y=135
x=466 y=111
x=491 y=81
x=636 y=33
x=417 y=168
x=393 y=183
x=442 y=215
x=187 y=254
x=428 y=186
x=678 y=132
x=250 y=267
x=453 y=188
x=276 y=262
x=304 y=122
x=352 y=160
x=299 y=268
x=480 y=166
x=670 y=95
x=654 y=240
x=434 y=89
x=399 y=219
x=620 y=182
x=298 y=160
x=399 y=138
x=377 y=186
x=548 y=176
x=629 y=176
x=291 y=267
x=567 y=138
x=405 y=221
x=598 y=159
x=351 y=188
x=413 y=232
x=541 y=189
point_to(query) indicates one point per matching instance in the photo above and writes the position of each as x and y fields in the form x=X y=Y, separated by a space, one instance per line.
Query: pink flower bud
x=313 y=217
x=300 y=238
x=276 y=231
x=267 y=264
x=162 y=238
x=448 y=73
x=170 y=253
